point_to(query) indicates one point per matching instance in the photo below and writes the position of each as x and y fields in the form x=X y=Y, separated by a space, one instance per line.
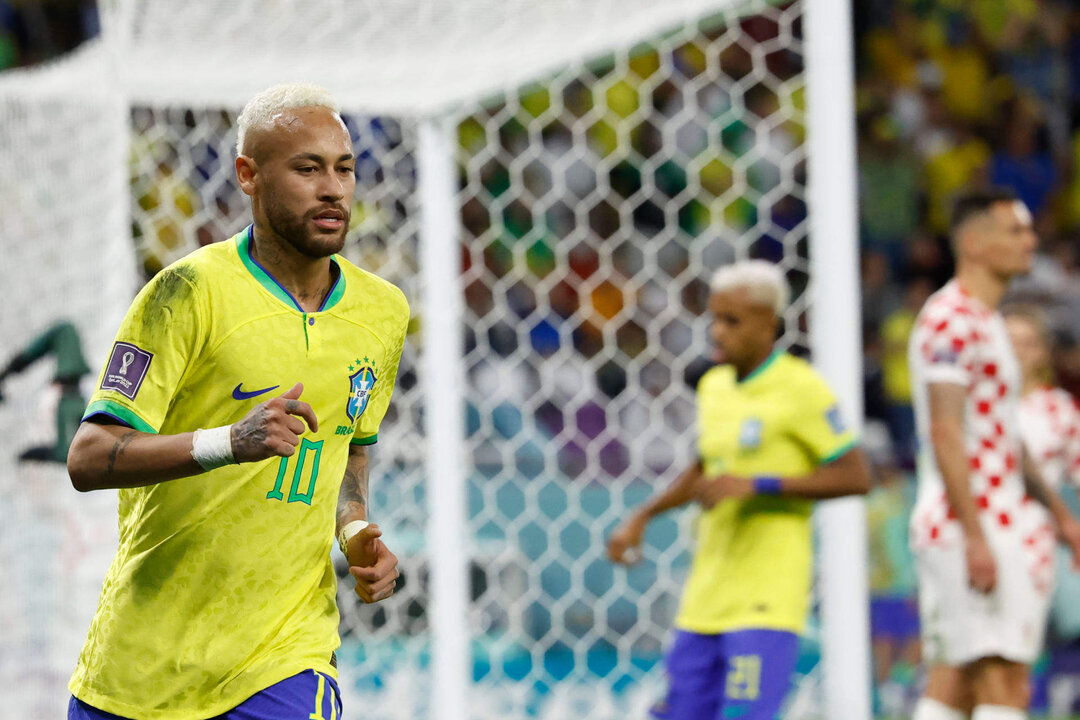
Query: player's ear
x=245 y=173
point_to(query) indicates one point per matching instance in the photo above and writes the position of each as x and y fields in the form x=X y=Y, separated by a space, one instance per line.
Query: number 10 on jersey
x=309 y=453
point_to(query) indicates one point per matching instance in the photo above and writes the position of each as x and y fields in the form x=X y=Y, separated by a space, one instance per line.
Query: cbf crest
x=750 y=434
x=361 y=385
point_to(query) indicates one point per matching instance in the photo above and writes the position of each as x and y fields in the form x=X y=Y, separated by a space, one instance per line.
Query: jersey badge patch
x=750 y=434
x=126 y=369
x=835 y=420
x=361 y=384
x=945 y=357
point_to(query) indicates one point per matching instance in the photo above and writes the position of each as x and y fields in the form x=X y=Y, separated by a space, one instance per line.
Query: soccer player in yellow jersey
x=235 y=414
x=770 y=440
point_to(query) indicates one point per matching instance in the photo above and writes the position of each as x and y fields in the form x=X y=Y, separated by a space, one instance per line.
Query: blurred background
x=593 y=208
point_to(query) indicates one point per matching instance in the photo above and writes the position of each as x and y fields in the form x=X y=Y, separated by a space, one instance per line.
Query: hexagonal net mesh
x=594 y=206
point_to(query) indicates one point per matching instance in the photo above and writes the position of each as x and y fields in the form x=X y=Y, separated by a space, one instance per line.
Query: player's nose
x=332 y=188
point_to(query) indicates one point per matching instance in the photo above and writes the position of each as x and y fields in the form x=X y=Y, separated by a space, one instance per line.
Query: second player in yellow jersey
x=753 y=560
x=770 y=441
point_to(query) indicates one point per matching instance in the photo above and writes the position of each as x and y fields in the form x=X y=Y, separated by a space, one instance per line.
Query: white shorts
x=961 y=625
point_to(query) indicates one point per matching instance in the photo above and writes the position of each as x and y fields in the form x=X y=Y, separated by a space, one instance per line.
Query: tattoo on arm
x=353 y=497
x=118 y=449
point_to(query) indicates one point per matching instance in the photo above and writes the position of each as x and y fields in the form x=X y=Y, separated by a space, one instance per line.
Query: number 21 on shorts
x=744 y=678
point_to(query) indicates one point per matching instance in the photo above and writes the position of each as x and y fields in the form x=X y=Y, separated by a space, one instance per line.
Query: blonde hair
x=261 y=110
x=763 y=281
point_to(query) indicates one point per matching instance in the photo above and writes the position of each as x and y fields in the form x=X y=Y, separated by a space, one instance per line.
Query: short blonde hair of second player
x=764 y=281
x=264 y=107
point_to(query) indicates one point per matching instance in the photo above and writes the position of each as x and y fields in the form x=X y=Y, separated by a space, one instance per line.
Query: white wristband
x=347 y=533
x=213 y=448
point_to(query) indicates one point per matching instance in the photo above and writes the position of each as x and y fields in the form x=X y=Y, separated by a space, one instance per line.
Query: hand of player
x=981 y=566
x=711 y=490
x=1070 y=536
x=372 y=565
x=273 y=428
x=624 y=545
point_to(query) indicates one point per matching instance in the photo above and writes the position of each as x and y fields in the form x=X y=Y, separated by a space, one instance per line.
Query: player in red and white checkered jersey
x=979 y=630
x=1050 y=428
x=1049 y=415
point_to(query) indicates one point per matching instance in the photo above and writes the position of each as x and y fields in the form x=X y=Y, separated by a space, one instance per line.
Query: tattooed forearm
x=118 y=449
x=353 y=496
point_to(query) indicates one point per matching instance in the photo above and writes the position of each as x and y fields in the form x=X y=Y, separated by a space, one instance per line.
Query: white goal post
x=551 y=183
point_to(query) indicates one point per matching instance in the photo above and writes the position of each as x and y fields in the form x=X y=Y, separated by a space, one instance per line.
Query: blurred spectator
x=958 y=159
x=894 y=616
x=880 y=295
x=1022 y=160
x=875 y=407
x=889 y=189
x=32 y=32
x=9 y=50
x=61 y=342
x=896 y=381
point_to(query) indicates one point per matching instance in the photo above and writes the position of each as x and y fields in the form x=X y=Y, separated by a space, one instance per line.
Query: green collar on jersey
x=762 y=367
x=243 y=247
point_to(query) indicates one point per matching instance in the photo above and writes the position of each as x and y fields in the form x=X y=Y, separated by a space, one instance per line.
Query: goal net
x=610 y=155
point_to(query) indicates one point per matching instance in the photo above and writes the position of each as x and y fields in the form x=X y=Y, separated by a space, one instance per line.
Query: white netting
x=399 y=57
x=67 y=256
x=594 y=208
x=594 y=205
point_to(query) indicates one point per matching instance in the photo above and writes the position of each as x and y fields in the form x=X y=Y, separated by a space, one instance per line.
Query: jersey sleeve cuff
x=119 y=412
x=946 y=374
x=840 y=451
x=369 y=440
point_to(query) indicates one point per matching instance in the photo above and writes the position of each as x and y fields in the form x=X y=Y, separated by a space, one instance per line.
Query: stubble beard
x=295 y=230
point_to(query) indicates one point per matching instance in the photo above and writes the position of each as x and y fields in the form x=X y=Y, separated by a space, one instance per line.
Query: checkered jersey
x=958 y=340
x=1050 y=427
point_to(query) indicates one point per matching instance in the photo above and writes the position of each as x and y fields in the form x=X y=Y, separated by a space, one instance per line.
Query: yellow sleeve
x=158 y=339
x=819 y=425
x=367 y=425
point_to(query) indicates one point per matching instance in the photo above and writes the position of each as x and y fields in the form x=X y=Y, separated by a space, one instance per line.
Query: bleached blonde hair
x=764 y=281
x=264 y=107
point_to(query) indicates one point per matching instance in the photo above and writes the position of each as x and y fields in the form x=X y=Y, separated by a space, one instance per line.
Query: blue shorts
x=895 y=618
x=743 y=674
x=305 y=696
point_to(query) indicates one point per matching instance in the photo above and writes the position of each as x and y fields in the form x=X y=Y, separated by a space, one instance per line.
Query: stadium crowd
x=31 y=32
x=953 y=95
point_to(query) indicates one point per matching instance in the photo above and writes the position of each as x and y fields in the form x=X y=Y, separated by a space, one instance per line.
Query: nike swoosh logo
x=239 y=394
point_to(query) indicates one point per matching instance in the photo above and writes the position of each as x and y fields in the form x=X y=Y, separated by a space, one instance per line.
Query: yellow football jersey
x=222 y=584
x=752 y=561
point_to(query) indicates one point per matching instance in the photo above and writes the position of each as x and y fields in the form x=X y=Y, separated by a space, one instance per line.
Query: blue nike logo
x=239 y=394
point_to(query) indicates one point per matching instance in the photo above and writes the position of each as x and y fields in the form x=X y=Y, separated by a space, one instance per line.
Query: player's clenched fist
x=624 y=545
x=372 y=565
x=273 y=428
x=981 y=566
